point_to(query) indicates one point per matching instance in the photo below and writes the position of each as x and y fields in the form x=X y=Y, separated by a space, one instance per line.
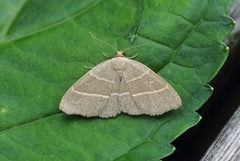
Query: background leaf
x=45 y=44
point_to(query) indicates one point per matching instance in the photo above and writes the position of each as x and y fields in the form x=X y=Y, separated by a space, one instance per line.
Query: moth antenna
x=137 y=46
x=103 y=42
x=106 y=55
x=134 y=56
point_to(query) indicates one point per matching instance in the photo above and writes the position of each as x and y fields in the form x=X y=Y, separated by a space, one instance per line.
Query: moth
x=119 y=84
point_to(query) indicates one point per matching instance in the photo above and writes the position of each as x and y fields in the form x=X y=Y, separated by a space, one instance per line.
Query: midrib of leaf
x=57 y=115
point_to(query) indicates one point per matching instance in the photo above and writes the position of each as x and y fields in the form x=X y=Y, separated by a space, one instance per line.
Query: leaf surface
x=44 y=46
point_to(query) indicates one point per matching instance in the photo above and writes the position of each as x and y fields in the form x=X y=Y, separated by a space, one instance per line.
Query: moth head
x=119 y=54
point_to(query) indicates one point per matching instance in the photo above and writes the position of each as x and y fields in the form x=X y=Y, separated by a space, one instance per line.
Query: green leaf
x=45 y=44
